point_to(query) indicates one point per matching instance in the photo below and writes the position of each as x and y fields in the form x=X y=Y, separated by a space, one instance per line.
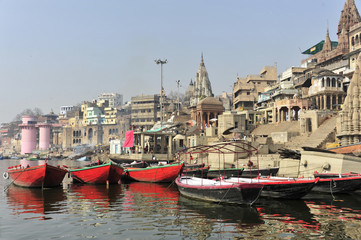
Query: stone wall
x=312 y=161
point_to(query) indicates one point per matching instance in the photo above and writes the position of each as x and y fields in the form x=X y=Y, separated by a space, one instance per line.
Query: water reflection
x=203 y=219
x=34 y=202
x=292 y=214
x=152 y=196
x=98 y=198
x=219 y=212
x=340 y=216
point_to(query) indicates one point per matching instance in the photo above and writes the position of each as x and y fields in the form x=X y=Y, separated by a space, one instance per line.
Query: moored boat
x=276 y=187
x=254 y=172
x=225 y=172
x=335 y=175
x=338 y=184
x=43 y=175
x=98 y=173
x=161 y=173
x=219 y=191
x=195 y=170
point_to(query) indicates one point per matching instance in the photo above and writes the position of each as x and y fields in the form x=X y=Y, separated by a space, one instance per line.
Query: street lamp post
x=161 y=62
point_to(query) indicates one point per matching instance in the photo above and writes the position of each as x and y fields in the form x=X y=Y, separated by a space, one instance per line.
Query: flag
x=129 y=139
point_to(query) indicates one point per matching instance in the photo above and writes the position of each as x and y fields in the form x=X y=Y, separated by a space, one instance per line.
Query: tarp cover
x=129 y=139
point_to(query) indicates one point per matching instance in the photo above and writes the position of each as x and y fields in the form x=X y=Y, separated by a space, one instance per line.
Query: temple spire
x=327 y=46
x=349 y=16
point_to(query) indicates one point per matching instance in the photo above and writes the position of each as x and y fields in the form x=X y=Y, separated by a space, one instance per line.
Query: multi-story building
x=246 y=90
x=114 y=99
x=145 y=110
x=65 y=109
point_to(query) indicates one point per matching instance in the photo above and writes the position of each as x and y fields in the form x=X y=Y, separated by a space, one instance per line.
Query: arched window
x=323 y=82
x=356 y=40
x=328 y=82
x=338 y=83
x=353 y=41
x=333 y=82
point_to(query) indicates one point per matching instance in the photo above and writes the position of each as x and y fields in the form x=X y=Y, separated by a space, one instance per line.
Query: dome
x=210 y=101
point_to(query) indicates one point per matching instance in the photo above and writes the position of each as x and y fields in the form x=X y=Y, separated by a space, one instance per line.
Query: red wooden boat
x=98 y=173
x=161 y=173
x=44 y=175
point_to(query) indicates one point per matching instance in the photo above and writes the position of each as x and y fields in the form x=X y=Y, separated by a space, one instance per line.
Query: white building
x=65 y=109
x=114 y=99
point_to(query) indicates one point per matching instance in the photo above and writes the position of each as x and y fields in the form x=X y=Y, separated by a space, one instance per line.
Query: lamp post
x=178 y=105
x=161 y=62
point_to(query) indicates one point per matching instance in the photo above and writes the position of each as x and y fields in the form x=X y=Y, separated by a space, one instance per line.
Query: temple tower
x=349 y=16
x=202 y=86
x=351 y=112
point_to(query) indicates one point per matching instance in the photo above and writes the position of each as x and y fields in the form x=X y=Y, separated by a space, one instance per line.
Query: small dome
x=209 y=100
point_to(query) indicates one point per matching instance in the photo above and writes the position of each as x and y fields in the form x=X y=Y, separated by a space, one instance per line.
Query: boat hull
x=165 y=173
x=98 y=174
x=235 y=193
x=262 y=172
x=38 y=176
x=201 y=172
x=285 y=188
x=338 y=185
x=227 y=173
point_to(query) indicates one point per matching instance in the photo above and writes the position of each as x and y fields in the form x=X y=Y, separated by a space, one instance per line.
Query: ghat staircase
x=316 y=139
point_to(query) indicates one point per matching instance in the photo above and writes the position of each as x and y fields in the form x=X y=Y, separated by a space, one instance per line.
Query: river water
x=157 y=211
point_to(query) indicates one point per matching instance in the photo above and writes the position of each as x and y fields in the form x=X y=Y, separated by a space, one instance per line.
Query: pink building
x=28 y=135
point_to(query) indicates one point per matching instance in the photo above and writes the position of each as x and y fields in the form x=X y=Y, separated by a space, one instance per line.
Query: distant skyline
x=57 y=53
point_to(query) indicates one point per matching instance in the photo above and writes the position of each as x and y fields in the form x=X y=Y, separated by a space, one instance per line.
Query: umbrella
x=213 y=120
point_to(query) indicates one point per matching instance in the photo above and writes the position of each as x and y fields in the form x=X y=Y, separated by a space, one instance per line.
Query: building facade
x=246 y=90
x=145 y=109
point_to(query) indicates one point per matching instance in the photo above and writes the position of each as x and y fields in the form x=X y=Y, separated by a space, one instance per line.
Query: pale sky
x=62 y=52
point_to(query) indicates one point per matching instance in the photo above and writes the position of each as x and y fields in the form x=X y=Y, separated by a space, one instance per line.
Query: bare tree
x=36 y=112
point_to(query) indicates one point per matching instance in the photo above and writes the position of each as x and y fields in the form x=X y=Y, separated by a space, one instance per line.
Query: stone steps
x=317 y=138
x=267 y=129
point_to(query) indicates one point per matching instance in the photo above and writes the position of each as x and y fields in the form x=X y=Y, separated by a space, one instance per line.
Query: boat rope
x=155 y=174
x=225 y=194
x=331 y=188
x=259 y=194
x=7 y=187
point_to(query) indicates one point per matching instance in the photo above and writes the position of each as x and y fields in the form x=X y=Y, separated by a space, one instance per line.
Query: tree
x=36 y=112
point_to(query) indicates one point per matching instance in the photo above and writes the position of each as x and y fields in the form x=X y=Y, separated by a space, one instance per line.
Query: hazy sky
x=61 y=52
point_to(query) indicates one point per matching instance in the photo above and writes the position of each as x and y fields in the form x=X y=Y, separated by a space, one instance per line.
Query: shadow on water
x=293 y=212
x=35 y=201
x=224 y=213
